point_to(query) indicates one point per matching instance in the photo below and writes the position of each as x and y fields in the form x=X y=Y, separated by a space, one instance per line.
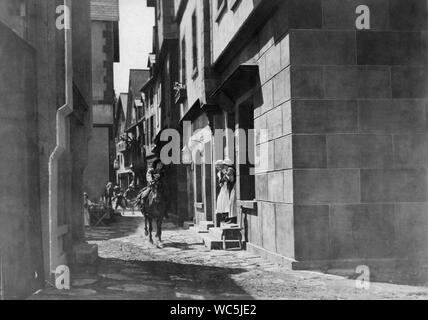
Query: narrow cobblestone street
x=131 y=268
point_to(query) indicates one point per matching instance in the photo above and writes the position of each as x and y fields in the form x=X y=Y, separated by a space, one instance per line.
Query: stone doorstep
x=206 y=225
x=229 y=226
x=230 y=233
x=187 y=225
x=213 y=243
x=203 y=227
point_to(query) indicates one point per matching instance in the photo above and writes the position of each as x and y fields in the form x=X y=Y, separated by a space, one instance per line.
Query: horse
x=154 y=207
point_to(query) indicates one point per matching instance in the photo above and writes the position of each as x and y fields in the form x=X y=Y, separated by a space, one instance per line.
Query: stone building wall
x=105 y=17
x=20 y=219
x=359 y=103
x=345 y=176
x=32 y=88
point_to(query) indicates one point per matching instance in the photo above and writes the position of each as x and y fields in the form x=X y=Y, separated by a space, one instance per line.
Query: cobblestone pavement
x=131 y=268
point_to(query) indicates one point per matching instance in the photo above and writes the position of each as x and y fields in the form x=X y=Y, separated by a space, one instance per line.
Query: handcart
x=99 y=213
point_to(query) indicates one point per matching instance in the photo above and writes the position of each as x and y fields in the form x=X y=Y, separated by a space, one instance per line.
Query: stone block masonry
x=359 y=103
x=346 y=111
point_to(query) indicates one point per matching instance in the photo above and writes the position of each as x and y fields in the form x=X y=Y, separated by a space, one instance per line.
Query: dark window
x=247 y=164
x=147 y=132
x=152 y=129
x=183 y=62
x=151 y=94
x=199 y=185
x=195 y=42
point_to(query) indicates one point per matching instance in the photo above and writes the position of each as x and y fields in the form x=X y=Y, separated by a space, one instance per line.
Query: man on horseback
x=155 y=179
x=153 y=201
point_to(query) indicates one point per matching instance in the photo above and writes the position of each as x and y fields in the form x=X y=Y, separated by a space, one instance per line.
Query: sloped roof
x=137 y=78
x=123 y=104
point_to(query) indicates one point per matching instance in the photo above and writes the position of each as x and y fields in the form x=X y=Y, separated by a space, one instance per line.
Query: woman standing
x=223 y=200
x=231 y=186
x=86 y=204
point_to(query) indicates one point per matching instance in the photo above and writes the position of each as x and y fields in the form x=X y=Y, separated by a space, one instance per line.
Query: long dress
x=231 y=178
x=223 y=200
x=233 y=212
x=87 y=218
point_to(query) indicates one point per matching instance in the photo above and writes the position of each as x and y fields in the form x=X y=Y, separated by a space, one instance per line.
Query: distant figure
x=130 y=192
x=119 y=198
x=86 y=204
x=116 y=190
x=108 y=195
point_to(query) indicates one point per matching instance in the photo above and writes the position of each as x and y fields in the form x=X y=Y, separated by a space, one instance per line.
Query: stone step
x=214 y=243
x=197 y=229
x=206 y=225
x=229 y=226
x=230 y=233
x=188 y=224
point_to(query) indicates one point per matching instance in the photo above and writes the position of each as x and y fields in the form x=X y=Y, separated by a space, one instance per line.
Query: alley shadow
x=161 y=280
x=120 y=227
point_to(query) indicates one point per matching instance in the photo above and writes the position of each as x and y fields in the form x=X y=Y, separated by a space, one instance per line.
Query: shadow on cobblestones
x=130 y=268
x=120 y=228
x=115 y=279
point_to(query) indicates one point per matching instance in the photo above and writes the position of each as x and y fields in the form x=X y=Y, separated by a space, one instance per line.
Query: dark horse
x=154 y=208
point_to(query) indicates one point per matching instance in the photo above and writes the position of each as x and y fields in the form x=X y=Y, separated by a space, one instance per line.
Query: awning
x=192 y=112
x=244 y=78
x=134 y=125
x=198 y=109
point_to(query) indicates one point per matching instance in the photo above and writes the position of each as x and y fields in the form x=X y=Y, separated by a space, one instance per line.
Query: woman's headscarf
x=155 y=163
